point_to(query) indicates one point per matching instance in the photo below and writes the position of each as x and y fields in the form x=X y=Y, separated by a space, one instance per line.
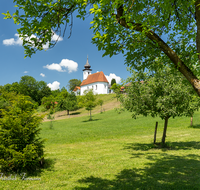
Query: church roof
x=76 y=88
x=96 y=77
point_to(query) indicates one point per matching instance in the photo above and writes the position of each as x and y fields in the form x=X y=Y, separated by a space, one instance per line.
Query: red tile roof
x=77 y=88
x=96 y=77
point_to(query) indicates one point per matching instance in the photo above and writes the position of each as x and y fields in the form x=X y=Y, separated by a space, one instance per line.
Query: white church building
x=97 y=81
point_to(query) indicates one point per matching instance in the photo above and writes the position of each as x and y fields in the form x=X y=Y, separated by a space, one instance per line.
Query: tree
x=117 y=89
x=35 y=89
x=21 y=148
x=100 y=102
x=67 y=101
x=162 y=93
x=141 y=30
x=89 y=101
x=113 y=81
x=73 y=83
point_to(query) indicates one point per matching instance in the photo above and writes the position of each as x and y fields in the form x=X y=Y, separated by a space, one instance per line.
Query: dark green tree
x=35 y=89
x=113 y=81
x=73 y=83
x=162 y=93
x=21 y=148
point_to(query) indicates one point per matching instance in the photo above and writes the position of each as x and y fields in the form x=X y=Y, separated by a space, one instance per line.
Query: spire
x=87 y=65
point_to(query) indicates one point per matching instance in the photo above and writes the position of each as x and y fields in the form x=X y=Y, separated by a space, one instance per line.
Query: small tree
x=116 y=88
x=89 y=101
x=67 y=101
x=113 y=81
x=21 y=148
x=164 y=94
x=49 y=104
x=100 y=102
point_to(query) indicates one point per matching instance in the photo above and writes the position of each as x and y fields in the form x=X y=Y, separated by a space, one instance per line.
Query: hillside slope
x=110 y=102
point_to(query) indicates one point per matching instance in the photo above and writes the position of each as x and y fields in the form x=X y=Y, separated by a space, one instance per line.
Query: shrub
x=21 y=149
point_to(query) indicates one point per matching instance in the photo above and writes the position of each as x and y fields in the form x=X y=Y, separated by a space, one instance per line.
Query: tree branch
x=179 y=64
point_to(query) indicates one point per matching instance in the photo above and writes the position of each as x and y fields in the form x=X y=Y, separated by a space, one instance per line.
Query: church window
x=96 y=87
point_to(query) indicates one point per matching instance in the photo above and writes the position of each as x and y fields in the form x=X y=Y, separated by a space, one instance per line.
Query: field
x=116 y=152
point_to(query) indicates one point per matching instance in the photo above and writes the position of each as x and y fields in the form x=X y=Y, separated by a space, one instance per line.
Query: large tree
x=73 y=83
x=161 y=93
x=142 y=30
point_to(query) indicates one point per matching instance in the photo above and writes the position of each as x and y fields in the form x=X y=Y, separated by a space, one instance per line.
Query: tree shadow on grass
x=195 y=126
x=169 y=146
x=167 y=173
x=90 y=120
x=48 y=164
x=65 y=114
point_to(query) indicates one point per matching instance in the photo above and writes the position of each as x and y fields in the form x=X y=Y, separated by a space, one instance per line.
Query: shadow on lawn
x=75 y=113
x=169 y=172
x=90 y=120
x=169 y=146
x=48 y=165
x=195 y=126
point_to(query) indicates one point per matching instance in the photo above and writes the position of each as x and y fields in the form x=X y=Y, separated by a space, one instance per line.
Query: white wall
x=98 y=88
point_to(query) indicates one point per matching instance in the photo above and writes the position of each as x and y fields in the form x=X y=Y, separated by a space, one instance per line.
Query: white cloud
x=113 y=76
x=54 y=66
x=12 y=41
x=41 y=74
x=25 y=71
x=54 y=86
x=19 y=41
x=65 y=63
x=69 y=64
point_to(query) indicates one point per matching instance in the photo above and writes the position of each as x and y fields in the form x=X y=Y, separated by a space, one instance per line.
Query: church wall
x=98 y=88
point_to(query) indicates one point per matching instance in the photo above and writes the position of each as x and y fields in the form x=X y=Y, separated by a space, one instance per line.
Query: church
x=97 y=81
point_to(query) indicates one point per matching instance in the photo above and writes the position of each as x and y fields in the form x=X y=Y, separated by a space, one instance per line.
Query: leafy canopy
x=141 y=30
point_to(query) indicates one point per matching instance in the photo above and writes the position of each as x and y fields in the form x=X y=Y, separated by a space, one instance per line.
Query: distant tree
x=67 y=101
x=117 y=89
x=113 y=81
x=165 y=94
x=73 y=83
x=35 y=89
x=100 y=102
x=90 y=101
x=21 y=148
x=55 y=92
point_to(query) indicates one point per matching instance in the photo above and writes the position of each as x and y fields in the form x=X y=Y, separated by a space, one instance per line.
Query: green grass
x=115 y=152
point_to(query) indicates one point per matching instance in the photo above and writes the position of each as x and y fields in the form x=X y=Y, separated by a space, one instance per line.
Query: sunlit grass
x=115 y=151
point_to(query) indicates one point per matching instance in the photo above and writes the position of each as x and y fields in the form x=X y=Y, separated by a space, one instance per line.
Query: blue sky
x=53 y=66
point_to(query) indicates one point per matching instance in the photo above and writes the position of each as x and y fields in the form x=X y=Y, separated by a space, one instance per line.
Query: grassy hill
x=110 y=102
x=115 y=152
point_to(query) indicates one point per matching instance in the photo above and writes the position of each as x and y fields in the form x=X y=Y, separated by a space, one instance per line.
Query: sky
x=58 y=65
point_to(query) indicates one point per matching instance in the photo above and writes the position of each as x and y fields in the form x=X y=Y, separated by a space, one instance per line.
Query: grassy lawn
x=114 y=152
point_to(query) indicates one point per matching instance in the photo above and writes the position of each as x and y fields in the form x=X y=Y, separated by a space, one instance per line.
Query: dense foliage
x=21 y=148
x=141 y=30
x=161 y=93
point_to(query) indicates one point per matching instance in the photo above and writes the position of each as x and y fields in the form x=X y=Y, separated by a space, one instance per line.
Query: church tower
x=87 y=70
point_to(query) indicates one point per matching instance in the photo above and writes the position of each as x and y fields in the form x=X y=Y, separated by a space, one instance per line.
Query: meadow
x=116 y=152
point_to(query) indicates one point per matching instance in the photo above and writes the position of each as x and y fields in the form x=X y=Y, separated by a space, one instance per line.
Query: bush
x=21 y=149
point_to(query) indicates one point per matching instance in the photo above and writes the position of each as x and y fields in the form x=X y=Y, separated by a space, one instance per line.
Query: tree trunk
x=165 y=130
x=90 y=115
x=155 y=132
x=191 y=123
x=67 y=112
